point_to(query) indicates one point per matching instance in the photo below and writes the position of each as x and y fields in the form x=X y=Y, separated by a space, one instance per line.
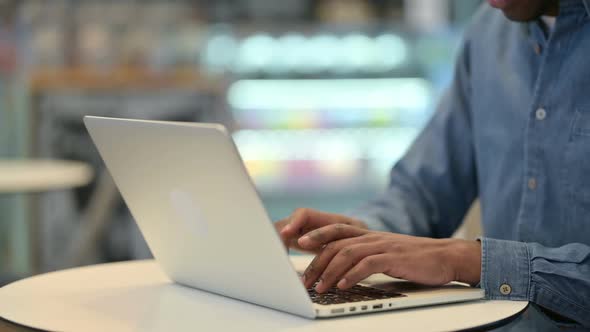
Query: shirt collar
x=565 y=6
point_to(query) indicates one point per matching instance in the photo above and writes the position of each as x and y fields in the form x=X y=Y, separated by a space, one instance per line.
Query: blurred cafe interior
x=321 y=98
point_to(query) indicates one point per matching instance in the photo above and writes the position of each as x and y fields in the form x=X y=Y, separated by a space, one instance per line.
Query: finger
x=285 y=225
x=304 y=220
x=365 y=268
x=346 y=259
x=299 y=220
x=279 y=225
x=294 y=245
x=320 y=261
x=327 y=234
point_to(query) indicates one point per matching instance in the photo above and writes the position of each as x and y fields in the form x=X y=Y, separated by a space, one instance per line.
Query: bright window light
x=344 y=94
x=293 y=52
x=359 y=52
x=220 y=52
x=256 y=53
x=391 y=51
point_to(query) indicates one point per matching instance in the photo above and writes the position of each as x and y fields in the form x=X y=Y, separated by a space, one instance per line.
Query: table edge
x=497 y=324
x=484 y=327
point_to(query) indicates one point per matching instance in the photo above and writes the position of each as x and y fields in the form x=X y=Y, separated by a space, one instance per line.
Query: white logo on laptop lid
x=185 y=209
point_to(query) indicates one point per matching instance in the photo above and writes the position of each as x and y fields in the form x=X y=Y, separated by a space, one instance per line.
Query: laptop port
x=364 y=307
x=378 y=306
x=337 y=311
x=352 y=309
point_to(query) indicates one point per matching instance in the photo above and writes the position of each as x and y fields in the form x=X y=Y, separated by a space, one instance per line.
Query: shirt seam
x=562 y=298
x=530 y=271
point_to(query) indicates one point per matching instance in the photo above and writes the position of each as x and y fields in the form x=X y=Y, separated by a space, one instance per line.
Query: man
x=514 y=130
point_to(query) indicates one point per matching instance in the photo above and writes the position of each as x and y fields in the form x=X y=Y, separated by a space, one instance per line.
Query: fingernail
x=304 y=240
x=303 y=278
x=341 y=283
x=287 y=228
x=319 y=286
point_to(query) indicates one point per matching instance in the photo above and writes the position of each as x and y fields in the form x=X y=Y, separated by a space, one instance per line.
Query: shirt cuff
x=505 y=269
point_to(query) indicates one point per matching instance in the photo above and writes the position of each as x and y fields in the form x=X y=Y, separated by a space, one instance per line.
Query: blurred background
x=321 y=96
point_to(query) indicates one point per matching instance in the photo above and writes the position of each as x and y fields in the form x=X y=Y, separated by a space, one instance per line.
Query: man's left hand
x=350 y=254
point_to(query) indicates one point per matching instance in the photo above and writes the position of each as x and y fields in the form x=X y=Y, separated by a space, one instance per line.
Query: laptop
x=188 y=190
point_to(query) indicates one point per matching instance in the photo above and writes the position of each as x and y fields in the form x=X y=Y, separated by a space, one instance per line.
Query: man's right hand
x=303 y=221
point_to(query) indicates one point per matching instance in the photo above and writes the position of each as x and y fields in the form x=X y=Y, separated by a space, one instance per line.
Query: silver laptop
x=188 y=190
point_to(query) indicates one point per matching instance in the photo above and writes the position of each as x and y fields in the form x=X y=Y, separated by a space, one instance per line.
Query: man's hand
x=349 y=254
x=303 y=221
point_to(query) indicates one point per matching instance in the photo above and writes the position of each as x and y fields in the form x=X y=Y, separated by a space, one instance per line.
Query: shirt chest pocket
x=578 y=165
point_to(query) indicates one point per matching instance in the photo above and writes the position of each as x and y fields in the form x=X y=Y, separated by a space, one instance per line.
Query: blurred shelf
x=327 y=176
x=328 y=144
x=326 y=193
x=329 y=103
x=314 y=191
x=125 y=78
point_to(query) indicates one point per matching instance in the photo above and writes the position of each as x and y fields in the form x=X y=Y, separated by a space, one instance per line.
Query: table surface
x=36 y=175
x=137 y=296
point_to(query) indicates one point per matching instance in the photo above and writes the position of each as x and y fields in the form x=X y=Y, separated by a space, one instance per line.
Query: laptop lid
x=187 y=189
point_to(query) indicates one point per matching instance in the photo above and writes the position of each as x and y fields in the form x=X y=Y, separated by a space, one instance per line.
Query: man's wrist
x=466 y=261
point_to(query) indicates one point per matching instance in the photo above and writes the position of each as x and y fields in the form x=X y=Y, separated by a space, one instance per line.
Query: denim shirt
x=514 y=130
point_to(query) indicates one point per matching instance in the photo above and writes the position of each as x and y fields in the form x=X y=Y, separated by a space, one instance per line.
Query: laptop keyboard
x=357 y=293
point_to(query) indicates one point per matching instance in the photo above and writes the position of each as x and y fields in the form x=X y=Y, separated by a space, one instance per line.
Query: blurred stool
x=42 y=175
x=95 y=221
x=35 y=176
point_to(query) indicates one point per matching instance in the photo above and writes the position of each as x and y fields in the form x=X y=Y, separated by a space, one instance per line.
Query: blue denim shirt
x=514 y=130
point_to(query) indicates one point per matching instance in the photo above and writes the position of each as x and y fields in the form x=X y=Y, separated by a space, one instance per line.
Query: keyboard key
x=357 y=293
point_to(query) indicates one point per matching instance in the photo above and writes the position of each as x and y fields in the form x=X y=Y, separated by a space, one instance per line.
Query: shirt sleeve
x=433 y=185
x=554 y=278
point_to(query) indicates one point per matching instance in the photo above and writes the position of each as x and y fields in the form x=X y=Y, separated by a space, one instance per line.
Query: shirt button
x=532 y=183
x=505 y=289
x=541 y=114
x=537 y=48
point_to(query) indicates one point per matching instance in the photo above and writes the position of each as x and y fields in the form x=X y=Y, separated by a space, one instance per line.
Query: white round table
x=17 y=176
x=35 y=176
x=137 y=296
